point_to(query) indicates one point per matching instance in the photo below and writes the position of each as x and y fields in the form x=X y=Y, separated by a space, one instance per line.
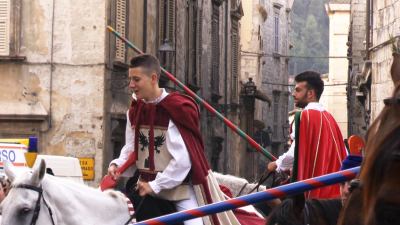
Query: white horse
x=69 y=203
x=57 y=201
x=238 y=186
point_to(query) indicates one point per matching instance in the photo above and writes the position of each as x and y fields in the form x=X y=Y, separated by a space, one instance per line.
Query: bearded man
x=317 y=144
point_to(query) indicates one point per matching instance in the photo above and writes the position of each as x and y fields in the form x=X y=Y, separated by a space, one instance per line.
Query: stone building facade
x=357 y=90
x=198 y=42
x=274 y=73
x=373 y=83
x=254 y=18
x=334 y=97
x=64 y=77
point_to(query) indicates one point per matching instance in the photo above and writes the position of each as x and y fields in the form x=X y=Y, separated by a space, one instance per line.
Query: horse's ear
x=395 y=70
x=8 y=169
x=39 y=170
x=298 y=203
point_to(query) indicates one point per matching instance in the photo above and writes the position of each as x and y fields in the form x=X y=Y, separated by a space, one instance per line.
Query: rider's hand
x=112 y=171
x=272 y=166
x=144 y=188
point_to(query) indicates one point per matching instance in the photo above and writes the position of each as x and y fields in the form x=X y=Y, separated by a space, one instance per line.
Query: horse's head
x=24 y=198
x=290 y=212
x=297 y=210
x=378 y=200
x=395 y=70
x=379 y=175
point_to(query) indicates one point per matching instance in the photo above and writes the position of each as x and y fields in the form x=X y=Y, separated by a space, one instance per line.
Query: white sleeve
x=179 y=166
x=285 y=161
x=127 y=149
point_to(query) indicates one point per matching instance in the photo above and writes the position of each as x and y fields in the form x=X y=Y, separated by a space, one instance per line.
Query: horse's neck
x=324 y=211
x=73 y=201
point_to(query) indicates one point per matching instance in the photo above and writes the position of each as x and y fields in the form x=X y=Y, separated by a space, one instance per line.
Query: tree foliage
x=309 y=36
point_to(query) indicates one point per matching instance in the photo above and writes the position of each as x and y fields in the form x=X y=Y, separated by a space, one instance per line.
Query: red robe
x=319 y=150
x=185 y=114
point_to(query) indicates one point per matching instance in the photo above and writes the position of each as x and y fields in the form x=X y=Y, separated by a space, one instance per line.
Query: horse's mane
x=329 y=208
x=76 y=188
x=383 y=143
x=284 y=214
x=289 y=212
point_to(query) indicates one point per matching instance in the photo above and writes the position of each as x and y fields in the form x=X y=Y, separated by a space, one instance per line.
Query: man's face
x=141 y=83
x=344 y=191
x=301 y=94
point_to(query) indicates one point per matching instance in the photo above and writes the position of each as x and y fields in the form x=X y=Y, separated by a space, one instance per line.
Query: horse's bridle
x=36 y=211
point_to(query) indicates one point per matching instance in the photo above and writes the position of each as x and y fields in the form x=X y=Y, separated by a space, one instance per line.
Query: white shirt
x=180 y=164
x=285 y=161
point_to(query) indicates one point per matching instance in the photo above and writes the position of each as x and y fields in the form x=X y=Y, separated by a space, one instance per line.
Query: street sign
x=87 y=165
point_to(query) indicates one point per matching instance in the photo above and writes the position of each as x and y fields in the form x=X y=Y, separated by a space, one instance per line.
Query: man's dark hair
x=313 y=80
x=148 y=62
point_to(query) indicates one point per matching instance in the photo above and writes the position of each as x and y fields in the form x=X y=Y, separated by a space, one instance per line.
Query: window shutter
x=192 y=38
x=120 y=27
x=235 y=57
x=171 y=20
x=161 y=20
x=4 y=27
x=215 y=49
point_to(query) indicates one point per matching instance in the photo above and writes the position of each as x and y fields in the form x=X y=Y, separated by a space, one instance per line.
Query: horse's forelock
x=115 y=194
x=284 y=214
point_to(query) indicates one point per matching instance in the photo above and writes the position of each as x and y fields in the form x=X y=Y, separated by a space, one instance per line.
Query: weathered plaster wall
x=334 y=97
x=386 y=24
x=63 y=72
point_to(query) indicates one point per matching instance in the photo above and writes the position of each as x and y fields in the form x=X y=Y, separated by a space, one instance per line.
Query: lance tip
x=110 y=28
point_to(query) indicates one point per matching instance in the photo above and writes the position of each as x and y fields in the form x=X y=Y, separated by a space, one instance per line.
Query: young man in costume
x=163 y=132
x=317 y=146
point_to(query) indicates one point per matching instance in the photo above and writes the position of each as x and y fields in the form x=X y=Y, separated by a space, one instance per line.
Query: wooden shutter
x=276 y=30
x=121 y=28
x=171 y=21
x=161 y=21
x=276 y=115
x=191 y=75
x=215 y=49
x=4 y=27
x=235 y=57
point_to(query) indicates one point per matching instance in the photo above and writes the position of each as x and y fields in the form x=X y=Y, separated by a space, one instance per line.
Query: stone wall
x=61 y=80
x=357 y=50
x=386 y=25
x=275 y=75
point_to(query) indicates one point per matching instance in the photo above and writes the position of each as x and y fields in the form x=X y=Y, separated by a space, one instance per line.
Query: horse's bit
x=36 y=211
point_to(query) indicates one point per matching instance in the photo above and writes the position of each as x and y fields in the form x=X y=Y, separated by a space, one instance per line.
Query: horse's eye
x=24 y=210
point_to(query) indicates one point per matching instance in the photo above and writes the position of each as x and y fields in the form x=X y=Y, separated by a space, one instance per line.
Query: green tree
x=310 y=36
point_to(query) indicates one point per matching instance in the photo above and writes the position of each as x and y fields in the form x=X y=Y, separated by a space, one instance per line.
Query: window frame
x=13 y=32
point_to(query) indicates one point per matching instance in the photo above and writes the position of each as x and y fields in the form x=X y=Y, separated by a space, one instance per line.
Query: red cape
x=321 y=150
x=185 y=113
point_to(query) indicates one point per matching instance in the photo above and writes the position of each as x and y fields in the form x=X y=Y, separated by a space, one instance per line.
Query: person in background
x=317 y=144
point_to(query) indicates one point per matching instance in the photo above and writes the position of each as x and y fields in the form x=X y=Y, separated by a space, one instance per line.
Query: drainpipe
x=226 y=87
x=52 y=68
x=367 y=32
x=145 y=26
